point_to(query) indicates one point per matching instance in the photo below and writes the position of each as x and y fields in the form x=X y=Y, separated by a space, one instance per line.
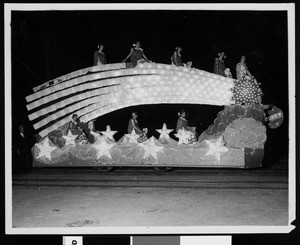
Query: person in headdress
x=219 y=66
x=136 y=55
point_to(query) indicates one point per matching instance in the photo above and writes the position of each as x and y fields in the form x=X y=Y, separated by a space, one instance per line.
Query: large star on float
x=164 y=132
x=103 y=148
x=150 y=148
x=183 y=136
x=70 y=138
x=132 y=138
x=45 y=149
x=108 y=133
x=216 y=148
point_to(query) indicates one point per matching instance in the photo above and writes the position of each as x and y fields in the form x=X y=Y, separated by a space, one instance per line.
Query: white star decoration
x=132 y=137
x=150 y=148
x=103 y=148
x=164 y=132
x=183 y=136
x=216 y=147
x=45 y=149
x=70 y=138
x=108 y=133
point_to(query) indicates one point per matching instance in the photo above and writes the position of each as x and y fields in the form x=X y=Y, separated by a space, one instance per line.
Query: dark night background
x=48 y=44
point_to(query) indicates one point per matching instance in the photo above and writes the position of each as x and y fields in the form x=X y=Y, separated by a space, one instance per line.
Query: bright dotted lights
x=172 y=85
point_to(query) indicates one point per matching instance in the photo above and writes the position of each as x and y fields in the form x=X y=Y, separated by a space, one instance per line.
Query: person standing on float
x=99 y=56
x=219 y=67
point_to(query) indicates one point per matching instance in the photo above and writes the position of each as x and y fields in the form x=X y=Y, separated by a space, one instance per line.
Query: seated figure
x=133 y=125
x=182 y=124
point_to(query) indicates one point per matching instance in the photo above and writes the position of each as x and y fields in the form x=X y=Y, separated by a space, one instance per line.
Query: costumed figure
x=176 y=57
x=182 y=125
x=219 y=67
x=243 y=74
x=136 y=55
x=99 y=56
x=242 y=71
x=133 y=125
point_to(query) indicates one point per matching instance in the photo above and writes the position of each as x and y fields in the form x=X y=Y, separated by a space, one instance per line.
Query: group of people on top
x=137 y=55
x=242 y=71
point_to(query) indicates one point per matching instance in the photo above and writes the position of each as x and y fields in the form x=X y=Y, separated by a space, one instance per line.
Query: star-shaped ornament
x=150 y=148
x=183 y=136
x=132 y=138
x=108 y=133
x=216 y=148
x=103 y=148
x=45 y=149
x=70 y=138
x=164 y=132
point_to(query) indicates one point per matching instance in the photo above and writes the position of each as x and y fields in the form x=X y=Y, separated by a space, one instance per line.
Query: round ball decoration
x=275 y=117
x=246 y=91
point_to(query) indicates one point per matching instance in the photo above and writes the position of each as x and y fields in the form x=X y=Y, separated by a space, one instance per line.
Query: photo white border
x=289 y=7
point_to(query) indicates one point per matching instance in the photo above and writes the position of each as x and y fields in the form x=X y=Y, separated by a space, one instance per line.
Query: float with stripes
x=235 y=139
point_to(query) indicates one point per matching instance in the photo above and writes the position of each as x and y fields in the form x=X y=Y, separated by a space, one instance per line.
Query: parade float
x=235 y=139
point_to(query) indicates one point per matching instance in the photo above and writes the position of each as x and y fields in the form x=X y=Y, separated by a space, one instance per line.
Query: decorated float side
x=235 y=139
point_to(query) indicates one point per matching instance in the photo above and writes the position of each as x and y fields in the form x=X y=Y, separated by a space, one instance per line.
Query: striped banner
x=98 y=90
